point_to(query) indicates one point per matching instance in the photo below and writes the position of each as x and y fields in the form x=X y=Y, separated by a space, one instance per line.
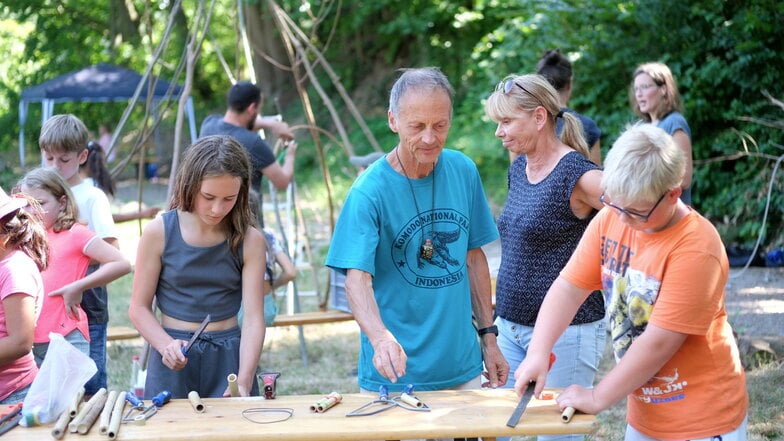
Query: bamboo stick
x=106 y=413
x=58 y=431
x=74 y=424
x=89 y=418
x=117 y=416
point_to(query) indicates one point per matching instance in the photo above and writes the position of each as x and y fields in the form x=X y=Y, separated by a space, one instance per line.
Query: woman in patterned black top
x=553 y=194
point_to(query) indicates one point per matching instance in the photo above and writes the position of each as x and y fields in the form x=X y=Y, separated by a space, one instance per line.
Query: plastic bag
x=64 y=371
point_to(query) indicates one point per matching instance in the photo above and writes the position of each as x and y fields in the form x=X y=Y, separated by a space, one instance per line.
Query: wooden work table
x=474 y=413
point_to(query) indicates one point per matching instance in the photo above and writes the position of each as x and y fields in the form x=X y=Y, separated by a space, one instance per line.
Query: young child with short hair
x=63 y=143
x=23 y=254
x=72 y=246
x=203 y=256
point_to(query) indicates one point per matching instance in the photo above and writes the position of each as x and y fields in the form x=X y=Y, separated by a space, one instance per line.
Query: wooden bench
x=311 y=318
x=300 y=319
x=118 y=333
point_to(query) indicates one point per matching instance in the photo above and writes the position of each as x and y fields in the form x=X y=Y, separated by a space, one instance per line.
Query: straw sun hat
x=9 y=205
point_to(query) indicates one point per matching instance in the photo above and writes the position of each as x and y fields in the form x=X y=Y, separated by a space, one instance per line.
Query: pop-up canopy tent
x=98 y=83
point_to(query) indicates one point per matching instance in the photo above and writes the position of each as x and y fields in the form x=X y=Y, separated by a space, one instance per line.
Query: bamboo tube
x=196 y=402
x=117 y=416
x=234 y=388
x=106 y=413
x=74 y=409
x=74 y=424
x=58 y=431
x=411 y=400
x=567 y=414
x=89 y=418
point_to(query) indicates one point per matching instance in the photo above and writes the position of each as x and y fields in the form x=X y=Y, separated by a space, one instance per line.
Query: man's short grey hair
x=419 y=78
x=642 y=164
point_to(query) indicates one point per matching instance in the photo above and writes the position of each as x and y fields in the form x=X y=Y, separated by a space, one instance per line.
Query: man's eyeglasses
x=633 y=214
x=507 y=86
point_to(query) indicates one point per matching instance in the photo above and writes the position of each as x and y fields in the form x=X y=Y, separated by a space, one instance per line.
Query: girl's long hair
x=23 y=231
x=211 y=156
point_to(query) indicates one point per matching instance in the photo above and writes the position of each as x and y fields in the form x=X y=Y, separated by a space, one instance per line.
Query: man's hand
x=389 y=358
x=496 y=367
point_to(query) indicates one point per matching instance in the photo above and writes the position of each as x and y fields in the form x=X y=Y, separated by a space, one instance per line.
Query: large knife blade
x=518 y=412
x=196 y=335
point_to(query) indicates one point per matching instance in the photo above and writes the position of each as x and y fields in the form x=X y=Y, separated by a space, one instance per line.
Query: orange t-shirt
x=675 y=279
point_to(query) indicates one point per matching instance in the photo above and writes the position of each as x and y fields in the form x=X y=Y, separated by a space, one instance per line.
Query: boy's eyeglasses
x=633 y=214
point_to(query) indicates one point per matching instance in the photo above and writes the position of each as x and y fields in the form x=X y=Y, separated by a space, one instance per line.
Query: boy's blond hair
x=63 y=134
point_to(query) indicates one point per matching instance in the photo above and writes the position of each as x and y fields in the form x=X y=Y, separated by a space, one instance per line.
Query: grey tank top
x=195 y=281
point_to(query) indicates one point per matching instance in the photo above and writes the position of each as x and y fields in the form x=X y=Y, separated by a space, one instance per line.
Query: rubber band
x=288 y=412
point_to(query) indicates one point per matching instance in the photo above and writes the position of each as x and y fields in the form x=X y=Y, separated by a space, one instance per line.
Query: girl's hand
x=72 y=298
x=172 y=355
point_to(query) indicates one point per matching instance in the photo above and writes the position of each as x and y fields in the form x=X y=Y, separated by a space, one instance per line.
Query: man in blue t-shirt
x=243 y=122
x=409 y=240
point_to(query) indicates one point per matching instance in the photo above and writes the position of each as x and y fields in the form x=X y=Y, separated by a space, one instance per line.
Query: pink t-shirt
x=67 y=263
x=18 y=275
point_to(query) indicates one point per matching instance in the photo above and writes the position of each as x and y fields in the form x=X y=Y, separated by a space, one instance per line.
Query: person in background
x=409 y=240
x=95 y=171
x=557 y=69
x=654 y=97
x=63 y=142
x=276 y=256
x=663 y=269
x=105 y=141
x=242 y=121
x=208 y=231
x=554 y=193
x=72 y=246
x=23 y=254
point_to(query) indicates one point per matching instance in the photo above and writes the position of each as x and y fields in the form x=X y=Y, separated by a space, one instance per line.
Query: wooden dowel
x=196 y=402
x=58 y=431
x=106 y=413
x=73 y=426
x=117 y=416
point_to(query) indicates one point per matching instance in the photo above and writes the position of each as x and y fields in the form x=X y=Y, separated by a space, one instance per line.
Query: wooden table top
x=468 y=413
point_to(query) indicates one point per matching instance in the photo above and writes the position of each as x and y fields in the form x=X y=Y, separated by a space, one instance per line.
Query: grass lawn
x=332 y=357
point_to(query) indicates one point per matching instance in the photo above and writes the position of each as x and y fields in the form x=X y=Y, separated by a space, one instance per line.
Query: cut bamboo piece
x=73 y=426
x=89 y=418
x=74 y=409
x=58 y=431
x=117 y=416
x=234 y=388
x=106 y=413
x=196 y=402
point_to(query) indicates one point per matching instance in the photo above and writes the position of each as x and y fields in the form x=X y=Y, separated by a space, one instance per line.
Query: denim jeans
x=578 y=353
x=74 y=337
x=739 y=434
x=98 y=354
x=17 y=396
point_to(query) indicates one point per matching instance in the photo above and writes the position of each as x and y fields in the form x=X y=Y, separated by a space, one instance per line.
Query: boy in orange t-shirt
x=663 y=270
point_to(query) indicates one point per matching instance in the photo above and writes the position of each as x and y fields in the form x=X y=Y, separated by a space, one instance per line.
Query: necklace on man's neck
x=426 y=249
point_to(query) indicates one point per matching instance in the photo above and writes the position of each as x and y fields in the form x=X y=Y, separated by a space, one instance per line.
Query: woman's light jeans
x=578 y=353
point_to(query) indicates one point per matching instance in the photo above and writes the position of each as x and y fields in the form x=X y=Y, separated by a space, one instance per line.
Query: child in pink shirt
x=72 y=246
x=23 y=253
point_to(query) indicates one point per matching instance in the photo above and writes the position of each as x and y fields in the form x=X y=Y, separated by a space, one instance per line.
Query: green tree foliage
x=724 y=54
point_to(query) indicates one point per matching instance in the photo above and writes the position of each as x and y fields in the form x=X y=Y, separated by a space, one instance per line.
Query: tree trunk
x=270 y=62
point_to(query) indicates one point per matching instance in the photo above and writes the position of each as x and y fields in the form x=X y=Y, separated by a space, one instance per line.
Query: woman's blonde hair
x=662 y=76
x=529 y=92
